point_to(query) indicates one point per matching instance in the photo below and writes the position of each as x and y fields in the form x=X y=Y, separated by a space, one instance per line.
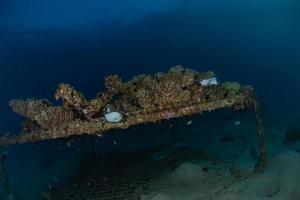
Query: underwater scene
x=150 y=100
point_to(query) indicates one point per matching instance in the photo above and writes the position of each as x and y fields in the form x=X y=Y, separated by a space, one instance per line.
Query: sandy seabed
x=281 y=181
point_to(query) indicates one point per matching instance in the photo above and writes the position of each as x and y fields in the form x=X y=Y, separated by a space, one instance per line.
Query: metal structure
x=111 y=179
x=144 y=99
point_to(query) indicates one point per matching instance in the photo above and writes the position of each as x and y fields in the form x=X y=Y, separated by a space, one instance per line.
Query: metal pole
x=261 y=136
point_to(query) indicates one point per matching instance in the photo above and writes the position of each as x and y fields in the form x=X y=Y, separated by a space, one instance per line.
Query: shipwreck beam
x=99 y=126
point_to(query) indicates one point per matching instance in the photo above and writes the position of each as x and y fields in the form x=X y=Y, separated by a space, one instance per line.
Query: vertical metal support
x=4 y=180
x=260 y=134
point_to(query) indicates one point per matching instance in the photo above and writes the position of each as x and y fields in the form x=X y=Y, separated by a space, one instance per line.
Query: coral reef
x=143 y=99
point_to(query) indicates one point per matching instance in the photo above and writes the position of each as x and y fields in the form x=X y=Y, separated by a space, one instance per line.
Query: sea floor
x=198 y=166
x=189 y=182
x=181 y=174
x=280 y=181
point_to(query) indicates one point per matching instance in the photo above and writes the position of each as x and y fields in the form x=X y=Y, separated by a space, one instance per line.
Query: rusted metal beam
x=261 y=165
x=99 y=126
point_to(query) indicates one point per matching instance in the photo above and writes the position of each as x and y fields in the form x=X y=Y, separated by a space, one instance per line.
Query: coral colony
x=144 y=99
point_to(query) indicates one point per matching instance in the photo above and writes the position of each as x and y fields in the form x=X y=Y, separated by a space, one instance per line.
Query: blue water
x=45 y=43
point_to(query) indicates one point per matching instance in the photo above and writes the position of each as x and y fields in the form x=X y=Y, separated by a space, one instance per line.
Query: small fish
x=237 y=123
x=114 y=142
x=68 y=144
x=189 y=122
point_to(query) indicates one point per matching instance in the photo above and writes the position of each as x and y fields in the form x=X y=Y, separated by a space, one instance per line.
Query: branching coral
x=70 y=97
x=95 y=106
x=164 y=89
x=179 y=86
x=114 y=84
x=144 y=98
x=173 y=87
x=76 y=100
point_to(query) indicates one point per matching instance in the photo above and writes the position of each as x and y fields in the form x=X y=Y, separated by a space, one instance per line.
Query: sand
x=190 y=182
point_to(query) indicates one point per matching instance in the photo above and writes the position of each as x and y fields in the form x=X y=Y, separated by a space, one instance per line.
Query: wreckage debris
x=143 y=99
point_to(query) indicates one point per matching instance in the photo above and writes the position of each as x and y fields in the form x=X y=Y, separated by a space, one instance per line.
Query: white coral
x=113 y=117
x=209 y=82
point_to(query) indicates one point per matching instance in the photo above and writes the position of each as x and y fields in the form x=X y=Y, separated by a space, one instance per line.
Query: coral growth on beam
x=144 y=99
